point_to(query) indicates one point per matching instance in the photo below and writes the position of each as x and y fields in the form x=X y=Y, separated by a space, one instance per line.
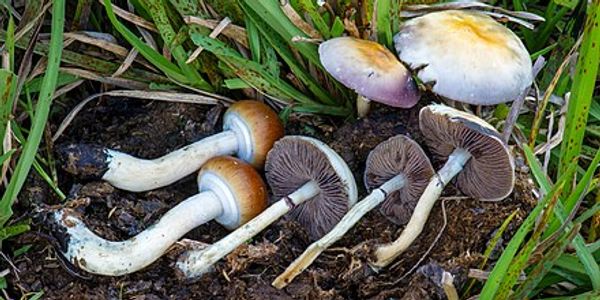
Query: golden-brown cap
x=238 y=185
x=257 y=127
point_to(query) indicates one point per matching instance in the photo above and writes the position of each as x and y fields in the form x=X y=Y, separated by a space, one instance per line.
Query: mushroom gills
x=385 y=254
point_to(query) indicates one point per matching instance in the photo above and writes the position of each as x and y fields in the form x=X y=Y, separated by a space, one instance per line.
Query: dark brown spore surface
x=399 y=155
x=151 y=129
x=293 y=162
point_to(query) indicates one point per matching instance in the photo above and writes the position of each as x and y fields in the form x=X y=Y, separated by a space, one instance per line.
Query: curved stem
x=135 y=174
x=386 y=253
x=197 y=262
x=352 y=217
x=99 y=256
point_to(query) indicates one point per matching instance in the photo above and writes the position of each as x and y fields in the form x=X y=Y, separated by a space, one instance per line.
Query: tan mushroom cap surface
x=265 y=127
x=489 y=174
x=399 y=155
x=243 y=181
x=468 y=56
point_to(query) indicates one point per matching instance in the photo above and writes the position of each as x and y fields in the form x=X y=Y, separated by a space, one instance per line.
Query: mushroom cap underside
x=489 y=173
x=296 y=160
x=399 y=155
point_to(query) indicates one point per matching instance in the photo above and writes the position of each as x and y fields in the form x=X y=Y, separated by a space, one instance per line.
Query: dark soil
x=150 y=129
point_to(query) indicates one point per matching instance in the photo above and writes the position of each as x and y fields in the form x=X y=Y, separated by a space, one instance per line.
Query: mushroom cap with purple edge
x=294 y=161
x=467 y=55
x=237 y=182
x=399 y=155
x=490 y=172
x=370 y=69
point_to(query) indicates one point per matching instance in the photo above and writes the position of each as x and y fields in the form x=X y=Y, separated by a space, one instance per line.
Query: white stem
x=386 y=253
x=352 y=217
x=363 y=105
x=194 y=263
x=137 y=175
x=99 y=256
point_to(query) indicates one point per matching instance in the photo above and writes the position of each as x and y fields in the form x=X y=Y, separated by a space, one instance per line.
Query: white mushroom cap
x=470 y=57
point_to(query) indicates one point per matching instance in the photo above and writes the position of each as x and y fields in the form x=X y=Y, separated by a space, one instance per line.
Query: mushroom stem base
x=114 y=258
x=352 y=217
x=363 y=106
x=386 y=253
x=195 y=263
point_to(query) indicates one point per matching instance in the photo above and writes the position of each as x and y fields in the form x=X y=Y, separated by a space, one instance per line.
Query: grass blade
x=582 y=89
x=42 y=109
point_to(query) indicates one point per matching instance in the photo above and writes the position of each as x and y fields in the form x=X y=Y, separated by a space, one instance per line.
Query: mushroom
x=397 y=172
x=371 y=70
x=466 y=55
x=312 y=182
x=249 y=130
x=230 y=192
x=474 y=154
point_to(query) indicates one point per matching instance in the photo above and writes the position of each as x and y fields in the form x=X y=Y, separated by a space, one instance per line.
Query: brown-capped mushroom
x=397 y=172
x=230 y=192
x=249 y=130
x=474 y=153
x=312 y=182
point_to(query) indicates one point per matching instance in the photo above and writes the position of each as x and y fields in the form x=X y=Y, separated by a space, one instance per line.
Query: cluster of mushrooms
x=464 y=56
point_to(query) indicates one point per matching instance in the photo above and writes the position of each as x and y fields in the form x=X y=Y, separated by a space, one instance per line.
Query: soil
x=150 y=129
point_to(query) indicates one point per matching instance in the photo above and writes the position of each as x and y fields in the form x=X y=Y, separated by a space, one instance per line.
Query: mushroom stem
x=352 y=217
x=386 y=253
x=363 y=105
x=194 y=263
x=135 y=174
x=99 y=256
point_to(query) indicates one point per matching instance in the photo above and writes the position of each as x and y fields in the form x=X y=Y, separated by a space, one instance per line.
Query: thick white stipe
x=388 y=252
x=198 y=262
x=346 y=223
x=96 y=255
x=135 y=174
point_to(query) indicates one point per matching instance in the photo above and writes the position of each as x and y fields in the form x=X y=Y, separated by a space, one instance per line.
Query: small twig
x=222 y=25
x=126 y=63
x=301 y=39
x=515 y=110
x=148 y=95
x=548 y=138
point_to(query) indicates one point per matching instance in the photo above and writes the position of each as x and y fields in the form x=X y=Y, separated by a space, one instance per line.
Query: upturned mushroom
x=249 y=130
x=465 y=56
x=314 y=185
x=474 y=154
x=230 y=191
x=371 y=70
x=397 y=172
